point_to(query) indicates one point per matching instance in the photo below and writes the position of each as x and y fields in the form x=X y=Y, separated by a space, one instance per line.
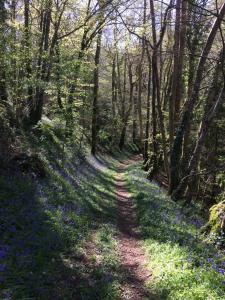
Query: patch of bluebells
x=3 y=254
x=68 y=220
x=4 y=249
x=2 y=267
x=212 y=263
x=154 y=205
x=79 y=211
x=165 y=216
x=108 y=278
x=2 y=279
x=197 y=222
x=7 y=295
x=12 y=228
x=178 y=217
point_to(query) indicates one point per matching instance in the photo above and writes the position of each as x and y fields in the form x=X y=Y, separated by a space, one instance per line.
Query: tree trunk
x=114 y=87
x=127 y=113
x=156 y=90
x=140 y=70
x=58 y=77
x=174 y=103
x=134 y=127
x=146 y=144
x=3 y=90
x=27 y=45
x=95 y=96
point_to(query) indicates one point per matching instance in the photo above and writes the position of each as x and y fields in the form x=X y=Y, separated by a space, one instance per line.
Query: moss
x=216 y=222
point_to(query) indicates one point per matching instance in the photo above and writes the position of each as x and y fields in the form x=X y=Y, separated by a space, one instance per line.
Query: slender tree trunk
x=182 y=44
x=174 y=104
x=156 y=89
x=146 y=144
x=114 y=79
x=134 y=127
x=13 y=82
x=3 y=89
x=140 y=70
x=58 y=77
x=124 y=117
x=120 y=92
x=114 y=87
x=187 y=140
x=124 y=89
x=27 y=45
x=127 y=113
x=167 y=78
x=94 y=133
x=160 y=116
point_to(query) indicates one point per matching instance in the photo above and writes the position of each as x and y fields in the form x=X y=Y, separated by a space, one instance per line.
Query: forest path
x=131 y=255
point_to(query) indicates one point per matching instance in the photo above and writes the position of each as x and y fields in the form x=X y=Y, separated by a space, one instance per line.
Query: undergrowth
x=47 y=223
x=185 y=265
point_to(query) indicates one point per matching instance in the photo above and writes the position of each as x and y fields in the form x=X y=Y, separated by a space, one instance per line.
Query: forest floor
x=100 y=231
x=131 y=255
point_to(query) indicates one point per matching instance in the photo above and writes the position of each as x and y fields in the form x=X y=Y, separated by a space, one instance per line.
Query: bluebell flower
x=221 y=271
x=79 y=211
x=2 y=267
x=26 y=252
x=108 y=278
x=12 y=228
x=3 y=254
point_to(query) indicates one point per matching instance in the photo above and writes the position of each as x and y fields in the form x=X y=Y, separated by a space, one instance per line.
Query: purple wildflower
x=12 y=228
x=221 y=271
x=3 y=254
x=2 y=267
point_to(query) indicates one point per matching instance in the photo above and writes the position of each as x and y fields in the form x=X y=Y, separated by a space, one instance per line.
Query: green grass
x=185 y=265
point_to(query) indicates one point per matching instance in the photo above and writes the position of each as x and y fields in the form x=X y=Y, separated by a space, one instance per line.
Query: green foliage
x=221 y=180
x=7 y=135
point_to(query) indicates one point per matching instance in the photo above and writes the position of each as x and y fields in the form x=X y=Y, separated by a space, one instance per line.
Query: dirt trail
x=131 y=254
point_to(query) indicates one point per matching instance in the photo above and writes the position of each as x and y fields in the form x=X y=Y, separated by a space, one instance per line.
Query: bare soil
x=136 y=275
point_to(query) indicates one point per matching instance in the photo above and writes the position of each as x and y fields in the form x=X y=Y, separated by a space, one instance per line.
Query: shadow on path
x=132 y=257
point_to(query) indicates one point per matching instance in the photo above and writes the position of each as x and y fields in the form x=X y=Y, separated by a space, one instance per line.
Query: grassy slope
x=50 y=227
x=184 y=265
